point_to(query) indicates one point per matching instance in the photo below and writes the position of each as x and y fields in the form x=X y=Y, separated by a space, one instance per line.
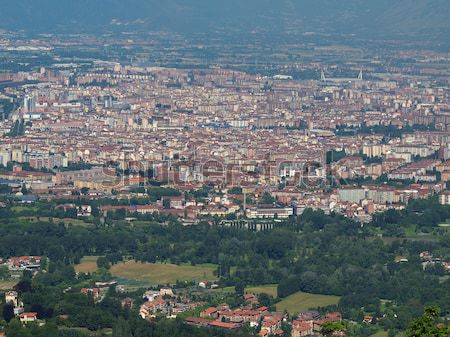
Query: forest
x=313 y=253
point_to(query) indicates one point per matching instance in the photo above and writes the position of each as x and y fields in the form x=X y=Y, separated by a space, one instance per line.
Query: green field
x=413 y=232
x=269 y=289
x=162 y=273
x=301 y=301
x=88 y=264
x=380 y=333
x=7 y=285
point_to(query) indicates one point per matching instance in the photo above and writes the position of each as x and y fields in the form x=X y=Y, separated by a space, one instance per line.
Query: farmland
x=88 y=264
x=270 y=289
x=162 y=273
x=303 y=301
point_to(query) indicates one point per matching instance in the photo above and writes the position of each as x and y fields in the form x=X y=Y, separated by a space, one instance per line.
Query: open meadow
x=7 y=284
x=88 y=264
x=162 y=273
x=301 y=301
x=269 y=289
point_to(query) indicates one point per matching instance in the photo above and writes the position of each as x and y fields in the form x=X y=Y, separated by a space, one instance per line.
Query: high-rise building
x=108 y=103
x=29 y=103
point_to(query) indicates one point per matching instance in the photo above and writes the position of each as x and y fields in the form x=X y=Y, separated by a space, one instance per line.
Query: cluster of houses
x=428 y=260
x=310 y=323
x=261 y=318
x=81 y=211
x=165 y=302
x=98 y=292
x=20 y=263
x=12 y=298
x=268 y=322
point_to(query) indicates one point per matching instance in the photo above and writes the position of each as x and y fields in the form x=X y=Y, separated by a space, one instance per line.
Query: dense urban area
x=152 y=186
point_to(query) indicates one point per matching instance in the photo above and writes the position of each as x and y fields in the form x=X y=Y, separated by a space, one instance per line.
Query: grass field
x=7 y=285
x=411 y=231
x=160 y=273
x=302 y=301
x=380 y=333
x=88 y=264
x=270 y=289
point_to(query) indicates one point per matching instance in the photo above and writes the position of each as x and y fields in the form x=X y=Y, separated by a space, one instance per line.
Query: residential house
x=302 y=328
x=12 y=298
x=28 y=317
x=148 y=309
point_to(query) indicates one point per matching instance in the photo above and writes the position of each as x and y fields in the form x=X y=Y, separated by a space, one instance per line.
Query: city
x=160 y=184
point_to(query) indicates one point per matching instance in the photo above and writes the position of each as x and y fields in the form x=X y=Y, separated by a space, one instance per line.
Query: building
x=63 y=178
x=29 y=103
x=270 y=212
x=251 y=225
x=202 y=322
x=28 y=317
x=211 y=313
x=5 y=157
x=382 y=194
x=12 y=298
x=375 y=150
x=444 y=198
x=351 y=194
x=150 y=308
x=166 y=292
x=97 y=184
x=302 y=328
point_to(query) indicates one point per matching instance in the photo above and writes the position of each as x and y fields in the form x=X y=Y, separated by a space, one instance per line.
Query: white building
x=444 y=198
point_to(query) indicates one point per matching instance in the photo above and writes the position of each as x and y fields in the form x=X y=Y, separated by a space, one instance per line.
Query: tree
x=235 y=190
x=265 y=300
x=287 y=329
x=102 y=263
x=240 y=289
x=24 y=190
x=15 y=329
x=267 y=198
x=84 y=190
x=121 y=328
x=8 y=312
x=329 y=328
x=4 y=272
x=288 y=286
x=427 y=325
x=24 y=286
x=335 y=156
x=5 y=189
x=239 y=293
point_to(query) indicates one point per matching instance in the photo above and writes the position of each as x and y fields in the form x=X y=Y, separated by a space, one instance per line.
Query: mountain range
x=365 y=18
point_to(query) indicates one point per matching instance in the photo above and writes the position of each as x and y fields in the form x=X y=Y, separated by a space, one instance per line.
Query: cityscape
x=213 y=181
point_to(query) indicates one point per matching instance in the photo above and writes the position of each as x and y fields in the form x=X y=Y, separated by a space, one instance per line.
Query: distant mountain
x=367 y=18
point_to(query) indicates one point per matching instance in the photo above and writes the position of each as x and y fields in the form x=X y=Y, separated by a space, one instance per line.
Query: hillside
x=368 y=18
